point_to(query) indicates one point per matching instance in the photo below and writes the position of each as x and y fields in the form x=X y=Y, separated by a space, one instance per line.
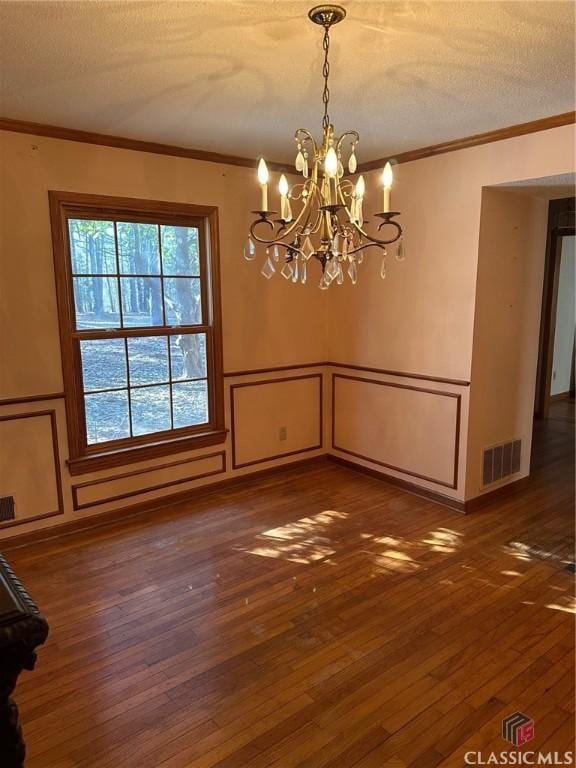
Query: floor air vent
x=7 y=511
x=501 y=461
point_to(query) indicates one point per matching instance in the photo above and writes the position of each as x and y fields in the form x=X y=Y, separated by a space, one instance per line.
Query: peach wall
x=30 y=440
x=255 y=316
x=382 y=420
x=421 y=318
x=420 y=321
x=506 y=327
x=300 y=418
x=254 y=319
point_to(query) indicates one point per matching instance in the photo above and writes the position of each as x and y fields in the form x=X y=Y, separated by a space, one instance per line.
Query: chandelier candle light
x=329 y=224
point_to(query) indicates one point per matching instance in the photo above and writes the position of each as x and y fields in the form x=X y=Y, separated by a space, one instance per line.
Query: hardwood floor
x=314 y=618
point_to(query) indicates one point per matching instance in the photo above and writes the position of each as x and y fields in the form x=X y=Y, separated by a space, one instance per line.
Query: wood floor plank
x=318 y=618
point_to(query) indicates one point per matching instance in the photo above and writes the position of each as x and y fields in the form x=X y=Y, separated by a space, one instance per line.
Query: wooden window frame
x=93 y=457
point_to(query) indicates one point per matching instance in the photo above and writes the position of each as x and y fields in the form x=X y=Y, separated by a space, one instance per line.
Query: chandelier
x=322 y=216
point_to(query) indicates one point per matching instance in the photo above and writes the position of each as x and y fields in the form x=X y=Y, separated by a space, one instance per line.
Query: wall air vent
x=501 y=461
x=7 y=508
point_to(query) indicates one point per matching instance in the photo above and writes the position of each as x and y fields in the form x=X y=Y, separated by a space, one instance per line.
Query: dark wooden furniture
x=22 y=629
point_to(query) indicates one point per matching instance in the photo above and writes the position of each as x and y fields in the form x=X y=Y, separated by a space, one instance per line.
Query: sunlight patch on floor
x=568 y=606
x=399 y=554
x=305 y=525
x=443 y=540
x=518 y=550
x=304 y=541
x=313 y=538
x=305 y=551
x=393 y=560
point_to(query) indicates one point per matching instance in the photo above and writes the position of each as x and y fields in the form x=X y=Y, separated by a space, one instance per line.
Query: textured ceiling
x=548 y=187
x=238 y=76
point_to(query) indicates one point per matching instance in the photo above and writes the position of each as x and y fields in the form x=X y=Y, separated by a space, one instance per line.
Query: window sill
x=97 y=461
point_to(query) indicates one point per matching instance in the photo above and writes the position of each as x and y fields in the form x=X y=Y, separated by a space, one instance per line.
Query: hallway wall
x=565 y=316
x=506 y=328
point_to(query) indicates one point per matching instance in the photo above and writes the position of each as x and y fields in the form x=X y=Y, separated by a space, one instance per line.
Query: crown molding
x=510 y=132
x=137 y=145
x=122 y=142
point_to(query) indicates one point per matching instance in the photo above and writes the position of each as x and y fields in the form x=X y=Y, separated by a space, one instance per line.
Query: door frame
x=560 y=224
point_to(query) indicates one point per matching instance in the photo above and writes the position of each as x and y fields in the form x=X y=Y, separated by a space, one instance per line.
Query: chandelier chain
x=326 y=73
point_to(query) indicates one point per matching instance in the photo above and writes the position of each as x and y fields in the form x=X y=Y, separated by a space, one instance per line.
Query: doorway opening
x=555 y=375
x=554 y=408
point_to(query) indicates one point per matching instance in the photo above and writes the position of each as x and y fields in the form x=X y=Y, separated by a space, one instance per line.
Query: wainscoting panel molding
x=408 y=429
x=351 y=367
x=275 y=369
x=32 y=399
x=30 y=440
x=292 y=403
x=118 y=487
x=401 y=374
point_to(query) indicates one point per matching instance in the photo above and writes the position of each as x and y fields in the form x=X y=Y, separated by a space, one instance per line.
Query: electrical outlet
x=283 y=433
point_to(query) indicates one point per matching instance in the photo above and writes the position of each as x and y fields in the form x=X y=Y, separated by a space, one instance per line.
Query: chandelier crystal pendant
x=322 y=216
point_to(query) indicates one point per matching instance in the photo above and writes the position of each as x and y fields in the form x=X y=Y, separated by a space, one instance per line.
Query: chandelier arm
x=317 y=223
x=304 y=186
x=289 y=247
x=314 y=194
x=283 y=231
x=364 y=246
x=376 y=240
x=318 y=218
x=279 y=242
x=354 y=134
x=387 y=219
x=307 y=136
x=277 y=239
x=295 y=194
x=260 y=239
x=305 y=211
x=340 y=191
x=346 y=183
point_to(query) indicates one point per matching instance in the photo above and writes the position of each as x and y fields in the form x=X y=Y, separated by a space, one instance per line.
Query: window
x=139 y=311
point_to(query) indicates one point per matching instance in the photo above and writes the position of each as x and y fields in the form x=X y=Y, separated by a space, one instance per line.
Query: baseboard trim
x=154 y=505
x=416 y=490
x=503 y=492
